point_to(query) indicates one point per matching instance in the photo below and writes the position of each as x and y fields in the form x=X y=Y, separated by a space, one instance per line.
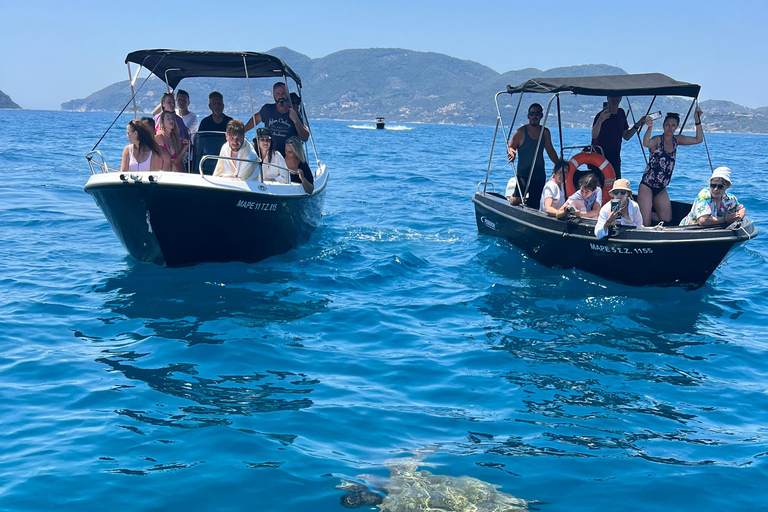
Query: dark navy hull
x=188 y=219
x=634 y=256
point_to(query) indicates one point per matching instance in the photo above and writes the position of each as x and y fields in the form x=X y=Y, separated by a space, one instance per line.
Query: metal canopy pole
x=709 y=157
x=131 y=80
x=248 y=83
x=488 y=173
x=637 y=133
x=560 y=125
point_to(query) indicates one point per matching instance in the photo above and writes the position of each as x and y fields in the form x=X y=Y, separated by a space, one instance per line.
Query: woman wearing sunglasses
x=620 y=211
x=714 y=205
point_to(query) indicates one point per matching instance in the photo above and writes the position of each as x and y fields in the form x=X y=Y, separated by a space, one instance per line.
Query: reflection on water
x=600 y=369
x=190 y=304
x=215 y=399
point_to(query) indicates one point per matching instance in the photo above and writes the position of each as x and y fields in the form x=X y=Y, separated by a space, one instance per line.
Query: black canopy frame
x=172 y=66
x=646 y=84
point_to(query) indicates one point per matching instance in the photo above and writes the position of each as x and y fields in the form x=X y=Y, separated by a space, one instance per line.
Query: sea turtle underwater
x=409 y=490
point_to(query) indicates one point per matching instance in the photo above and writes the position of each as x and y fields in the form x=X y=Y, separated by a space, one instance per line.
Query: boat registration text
x=621 y=250
x=252 y=205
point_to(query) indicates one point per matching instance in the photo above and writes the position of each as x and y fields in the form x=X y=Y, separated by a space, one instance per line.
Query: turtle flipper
x=358 y=495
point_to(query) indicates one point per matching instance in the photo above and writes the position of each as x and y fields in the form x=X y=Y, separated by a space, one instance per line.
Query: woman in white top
x=620 y=211
x=143 y=153
x=553 y=195
x=278 y=172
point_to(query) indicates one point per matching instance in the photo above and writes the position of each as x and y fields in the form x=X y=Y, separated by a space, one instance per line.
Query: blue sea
x=397 y=330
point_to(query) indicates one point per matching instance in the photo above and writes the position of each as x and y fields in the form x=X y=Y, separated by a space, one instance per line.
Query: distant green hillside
x=405 y=86
x=6 y=101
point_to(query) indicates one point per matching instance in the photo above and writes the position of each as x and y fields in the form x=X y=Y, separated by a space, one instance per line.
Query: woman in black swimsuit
x=652 y=193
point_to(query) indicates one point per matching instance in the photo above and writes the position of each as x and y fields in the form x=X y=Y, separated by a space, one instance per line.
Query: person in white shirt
x=619 y=211
x=190 y=118
x=553 y=195
x=278 y=171
x=236 y=147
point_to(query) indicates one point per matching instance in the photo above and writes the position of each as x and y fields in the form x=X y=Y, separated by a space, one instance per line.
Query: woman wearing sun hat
x=714 y=206
x=621 y=210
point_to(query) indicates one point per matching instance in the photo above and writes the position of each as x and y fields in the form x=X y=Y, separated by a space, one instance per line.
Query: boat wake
x=371 y=127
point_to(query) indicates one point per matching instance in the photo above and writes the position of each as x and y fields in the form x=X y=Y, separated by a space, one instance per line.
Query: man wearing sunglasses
x=621 y=210
x=524 y=142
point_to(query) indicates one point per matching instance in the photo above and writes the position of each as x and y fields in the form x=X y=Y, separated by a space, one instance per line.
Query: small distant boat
x=184 y=218
x=379 y=123
x=657 y=256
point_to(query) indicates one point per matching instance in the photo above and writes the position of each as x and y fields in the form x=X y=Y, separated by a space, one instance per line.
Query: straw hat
x=622 y=184
x=721 y=172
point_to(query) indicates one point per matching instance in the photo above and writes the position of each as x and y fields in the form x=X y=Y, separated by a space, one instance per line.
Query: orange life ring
x=599 y=161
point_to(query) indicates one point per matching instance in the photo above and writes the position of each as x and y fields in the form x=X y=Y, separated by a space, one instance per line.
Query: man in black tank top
x=523 y=143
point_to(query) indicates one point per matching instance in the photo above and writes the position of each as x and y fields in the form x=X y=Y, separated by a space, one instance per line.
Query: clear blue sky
x=54 y=51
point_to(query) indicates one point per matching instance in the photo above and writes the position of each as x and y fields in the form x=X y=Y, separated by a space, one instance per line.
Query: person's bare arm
x=687 y=140
x=514 y=143
x=650 y=142
x=254 y=121
x=301 y=130
x=605 y=114
x=126 y=158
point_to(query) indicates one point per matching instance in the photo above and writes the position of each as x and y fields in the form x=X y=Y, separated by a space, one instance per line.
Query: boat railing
x=216 y=158
x=102 y=165
x=484 y=185
x=257 y=161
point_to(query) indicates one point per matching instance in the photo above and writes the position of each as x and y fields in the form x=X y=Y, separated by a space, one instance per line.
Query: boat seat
x=206 y=143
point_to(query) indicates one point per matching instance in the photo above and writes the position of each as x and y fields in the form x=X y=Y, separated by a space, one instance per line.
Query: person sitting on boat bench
x=586 y=201
x=281 y=119
x=296 y=162
x=620 y=211
x=609 y=128
x=553 y=196
x=236 y=147
x=273 y=163
x=524 y=142
x=143 y=153
x=169 y=103
x=714 y=206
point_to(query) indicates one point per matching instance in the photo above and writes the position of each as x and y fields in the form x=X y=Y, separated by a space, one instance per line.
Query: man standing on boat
x=524 y=142
x=218 y=120
x=281 y=119
x=189 y=118
x=608 y=128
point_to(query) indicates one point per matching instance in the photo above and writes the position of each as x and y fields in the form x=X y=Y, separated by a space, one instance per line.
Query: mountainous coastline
x=409 y=86
x=7 y=102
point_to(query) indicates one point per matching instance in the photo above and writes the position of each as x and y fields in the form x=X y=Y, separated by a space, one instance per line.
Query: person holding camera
x=609 y=128
x=621 y=210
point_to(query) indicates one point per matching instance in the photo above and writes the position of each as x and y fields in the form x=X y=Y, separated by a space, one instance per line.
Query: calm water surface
x=127 y=386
